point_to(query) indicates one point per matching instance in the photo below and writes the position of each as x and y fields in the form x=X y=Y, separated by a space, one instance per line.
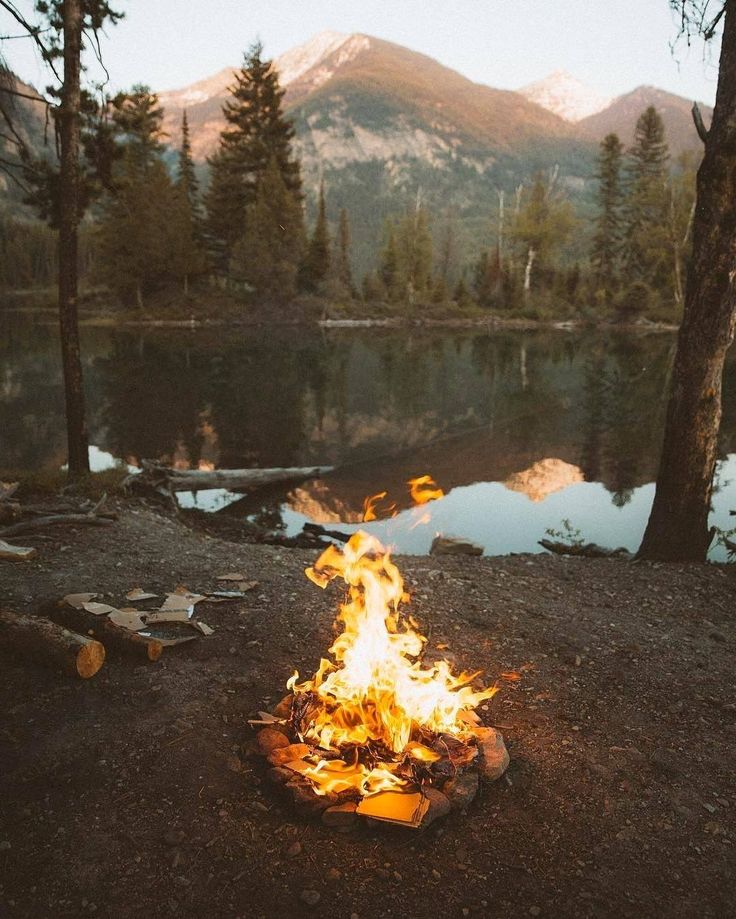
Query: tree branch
x=33 y=31
x=699 y=124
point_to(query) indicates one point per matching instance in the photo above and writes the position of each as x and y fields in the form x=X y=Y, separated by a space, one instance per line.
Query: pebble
x=294 y=849
x=269 y=739
x=310 y=897
x=341 y=815
x=494 y=758
x=439 y=805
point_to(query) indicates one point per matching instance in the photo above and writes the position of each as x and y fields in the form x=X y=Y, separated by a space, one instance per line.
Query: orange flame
x=376 y=690
x=424 y=489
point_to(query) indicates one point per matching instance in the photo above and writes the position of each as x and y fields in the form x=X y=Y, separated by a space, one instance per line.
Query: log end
x=90 y=659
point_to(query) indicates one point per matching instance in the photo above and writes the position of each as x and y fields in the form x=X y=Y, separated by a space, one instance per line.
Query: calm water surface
x=521 y=429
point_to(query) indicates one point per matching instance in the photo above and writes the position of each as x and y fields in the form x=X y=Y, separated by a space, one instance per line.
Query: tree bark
x=678 y=525
x=68 y=224
x=44 y=641
x=173 y=480
x=111 y=635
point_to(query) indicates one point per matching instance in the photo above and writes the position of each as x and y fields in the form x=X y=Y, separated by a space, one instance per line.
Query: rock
x=341 y=815
x=283 y=709
x=333 y=874
x=306 y=801
x=461 y=790
x=439 y=806
x=295 y=848
x=269 y=739
x=451 y=545
x=310 y=897
x=279 y=775
x=288 y=753
x=493 y=759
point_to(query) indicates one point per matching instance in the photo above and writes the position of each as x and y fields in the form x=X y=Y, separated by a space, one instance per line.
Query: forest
x=160 y=239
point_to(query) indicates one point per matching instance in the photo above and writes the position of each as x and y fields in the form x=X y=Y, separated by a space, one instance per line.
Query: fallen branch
x=167 y=481
x=44 y=641
x=40 y=523
x=583 y=550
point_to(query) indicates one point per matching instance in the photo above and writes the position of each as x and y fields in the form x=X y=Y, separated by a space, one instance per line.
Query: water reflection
x=540 y=418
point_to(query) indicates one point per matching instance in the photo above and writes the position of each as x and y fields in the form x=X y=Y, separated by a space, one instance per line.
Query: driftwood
x=47 y=642
x=16 y=553
x=167 y=481
x=584 y=550
x=113 y=636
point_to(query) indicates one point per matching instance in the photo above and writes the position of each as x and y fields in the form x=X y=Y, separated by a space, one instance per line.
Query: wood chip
x=16 y=553
x=77 y=601
x=127 y=620
x=99 y=609
x=138 y=594
x=203 y=628
x=172 y=615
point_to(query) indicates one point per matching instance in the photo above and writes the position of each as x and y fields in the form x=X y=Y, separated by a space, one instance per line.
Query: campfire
x=378 y=732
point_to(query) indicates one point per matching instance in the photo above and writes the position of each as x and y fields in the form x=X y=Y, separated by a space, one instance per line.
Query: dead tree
x=678 y=524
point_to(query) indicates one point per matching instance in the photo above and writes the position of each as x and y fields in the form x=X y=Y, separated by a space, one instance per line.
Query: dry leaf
x=230 y=577
x=77 y=601
x=99 y=609
x=137 y=594
x=127 y=620
x=204 y=628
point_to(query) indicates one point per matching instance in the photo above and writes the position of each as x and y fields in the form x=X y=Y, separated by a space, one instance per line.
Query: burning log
x=104 y=630
x=374 y=726
x=45 y=641
x=167 y=481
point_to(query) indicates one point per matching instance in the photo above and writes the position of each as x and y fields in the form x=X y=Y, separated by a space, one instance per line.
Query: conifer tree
x=317 y=259
x=645 y=241
x=605 y=255
x=343 y=269
x=187 y=178
x=389 y=269
x=256 y=134
x=414 y=244
x=269 y=254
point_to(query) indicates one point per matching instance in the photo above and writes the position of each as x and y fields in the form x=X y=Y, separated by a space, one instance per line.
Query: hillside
x=620 y=118
x=29 y=122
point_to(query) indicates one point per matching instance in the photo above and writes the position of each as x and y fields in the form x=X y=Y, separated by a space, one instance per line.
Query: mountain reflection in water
x=521 y=429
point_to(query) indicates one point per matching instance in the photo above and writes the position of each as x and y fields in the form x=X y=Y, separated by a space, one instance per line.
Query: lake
x=522 y=429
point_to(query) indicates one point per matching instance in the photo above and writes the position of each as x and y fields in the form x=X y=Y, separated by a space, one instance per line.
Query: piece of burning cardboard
x=406 y=808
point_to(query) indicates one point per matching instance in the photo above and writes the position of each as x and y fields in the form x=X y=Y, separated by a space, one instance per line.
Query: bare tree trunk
x=528 y=270
x=69 y=220
x=678 y=525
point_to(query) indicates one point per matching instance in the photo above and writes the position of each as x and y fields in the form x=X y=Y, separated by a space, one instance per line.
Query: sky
x=611 y=46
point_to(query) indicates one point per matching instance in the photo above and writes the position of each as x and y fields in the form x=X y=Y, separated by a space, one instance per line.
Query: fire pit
x=377 y=733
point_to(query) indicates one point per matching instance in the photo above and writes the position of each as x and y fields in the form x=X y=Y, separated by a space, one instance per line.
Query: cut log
x=100 y=627
x=41 y=523
x=16 y=553
x=40 y=639
x=166 y=479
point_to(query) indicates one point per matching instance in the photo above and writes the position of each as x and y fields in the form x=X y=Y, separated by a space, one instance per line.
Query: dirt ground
x=130 y=795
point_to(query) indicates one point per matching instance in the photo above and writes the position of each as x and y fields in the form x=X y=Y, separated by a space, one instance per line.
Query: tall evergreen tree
x=269 y=254
x=389 y=270
x=187 y=178
x=317 y=259
x=256 y=134
x=645 y=241
x=414 y=247
x=606 y=251
x=343 y=268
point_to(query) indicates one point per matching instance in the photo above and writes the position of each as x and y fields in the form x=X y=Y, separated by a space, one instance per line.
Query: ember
x=375 y=724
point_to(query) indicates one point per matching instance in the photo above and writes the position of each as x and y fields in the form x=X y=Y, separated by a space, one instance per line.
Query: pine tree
x=316 y=264
x=343 y=269
x=269 y=254
x=187 y=178
x=256 y=134
x=645 y=244
x=605 y=255
x=389 y=269
x=414 y=247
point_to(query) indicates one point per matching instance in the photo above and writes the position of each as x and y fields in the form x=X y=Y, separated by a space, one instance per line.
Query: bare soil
x=130 y=795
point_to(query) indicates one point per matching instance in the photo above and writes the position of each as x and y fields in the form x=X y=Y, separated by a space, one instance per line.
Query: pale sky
x=612 y=45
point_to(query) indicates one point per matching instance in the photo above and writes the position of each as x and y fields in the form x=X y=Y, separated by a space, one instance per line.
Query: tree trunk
x=46 y=642
x=528 y=270
x=678 y=525
x=68 y=223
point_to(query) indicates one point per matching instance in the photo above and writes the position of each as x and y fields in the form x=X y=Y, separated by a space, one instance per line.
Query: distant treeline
x=151 y=230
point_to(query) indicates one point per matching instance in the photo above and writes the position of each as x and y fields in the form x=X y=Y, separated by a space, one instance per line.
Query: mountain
x=28 y=116
x=621 y=115
x=566 y=96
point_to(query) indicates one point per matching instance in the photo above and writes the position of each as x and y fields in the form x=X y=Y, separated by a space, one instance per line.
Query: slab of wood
x=39 y=639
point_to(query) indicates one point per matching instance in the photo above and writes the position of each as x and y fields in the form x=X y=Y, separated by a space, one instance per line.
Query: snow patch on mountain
x=566 y=96
x=293 y=64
